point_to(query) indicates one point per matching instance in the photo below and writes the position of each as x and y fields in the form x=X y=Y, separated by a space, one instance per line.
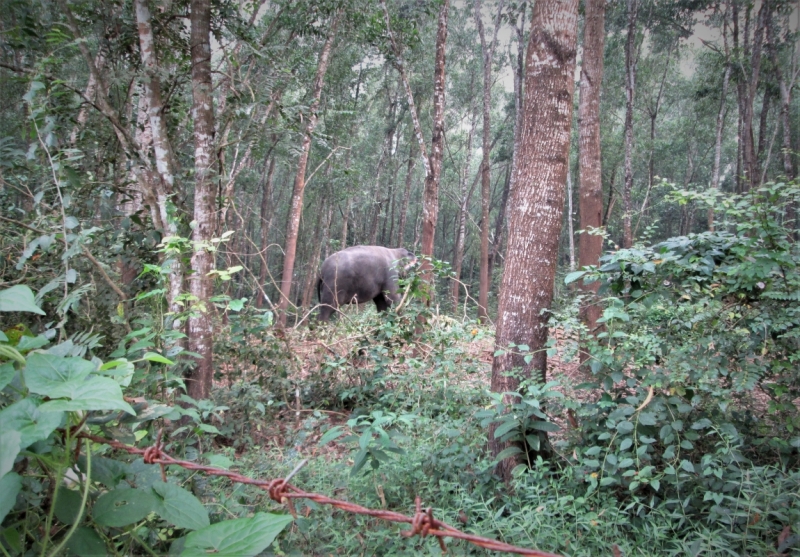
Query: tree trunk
x=488 y=57
x=463 y=207
x=590 y=201
x=202 y=263
x=630 y=89
x=266 y=212
x=430 y=199
x=401 y=227
x=296 y=210
x=499 y=224
x=720 y=125
x=570 y=229
x=537 y=205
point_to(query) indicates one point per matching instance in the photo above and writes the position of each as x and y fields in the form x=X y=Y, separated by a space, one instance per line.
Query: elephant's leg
x=381 y=303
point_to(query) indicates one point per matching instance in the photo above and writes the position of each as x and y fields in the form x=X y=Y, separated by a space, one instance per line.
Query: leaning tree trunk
x=630 y=89
x=488 y=56
x=430 y=198
x=463 y=207
x=537 y=205
x=296 y=210
x=720 y=124
x=202 y=263
x=590 y=201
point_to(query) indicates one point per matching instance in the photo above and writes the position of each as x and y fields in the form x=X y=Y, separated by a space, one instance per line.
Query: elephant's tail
x=319 y=289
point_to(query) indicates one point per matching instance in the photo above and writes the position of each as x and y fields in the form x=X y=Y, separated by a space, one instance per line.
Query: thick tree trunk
x=488 y=57
x=202 y=263
x=296 y=210
x=537 y=204
x=590 y=201
x=630 y=90
x=430 y=198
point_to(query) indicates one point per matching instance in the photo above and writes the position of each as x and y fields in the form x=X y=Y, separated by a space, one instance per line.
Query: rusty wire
x=281 y=491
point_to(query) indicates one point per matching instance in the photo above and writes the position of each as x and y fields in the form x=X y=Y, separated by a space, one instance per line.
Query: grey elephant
x=359 y=274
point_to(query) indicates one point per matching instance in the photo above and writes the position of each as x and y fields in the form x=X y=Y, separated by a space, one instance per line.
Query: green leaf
x=625 y=427
x=87 y=543
x=545 y=426
x=31 y=422
x=26 y=343
x=179 y=507
x=7 y=373
x=10 y=484
x=9 y=449
x=333 y=433
x=702 y=424
x=687 y=466
x=505 y=427
x=154 y=357
x=19 y=298
x=507 y=452
x=3 y=337
x=220 y=461
x=573 y=276
x=100 y=393
x=626 y=444
x=68 y=505
x=122 y=507
x=55 y=376
x=241 y=537
x=236 y=305
x=647 y=418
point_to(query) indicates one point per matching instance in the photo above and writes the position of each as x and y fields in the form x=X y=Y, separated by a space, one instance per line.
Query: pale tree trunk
x=162 y=149
x=267 y=209
x=570 y=229
x=430 y=196
x=401 y=227
x=461 y=228
x=296 y=210
x=89 y=94
x=537 y=206
x=499 y=223
x=320 y=239
x=412 y=107
x=202 y=263
x=488 y=57
x=720 y=125
x=590 y=200
x=630 y=90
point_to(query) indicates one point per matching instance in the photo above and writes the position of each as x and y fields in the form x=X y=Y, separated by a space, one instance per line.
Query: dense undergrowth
x=680 y=436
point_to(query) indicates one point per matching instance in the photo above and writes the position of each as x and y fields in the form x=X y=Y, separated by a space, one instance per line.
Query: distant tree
x=537 y=200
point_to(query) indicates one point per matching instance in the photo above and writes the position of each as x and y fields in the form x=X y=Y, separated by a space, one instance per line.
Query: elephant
x=358 y=274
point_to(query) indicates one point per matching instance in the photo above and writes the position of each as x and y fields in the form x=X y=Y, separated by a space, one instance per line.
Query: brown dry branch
x=422 y=523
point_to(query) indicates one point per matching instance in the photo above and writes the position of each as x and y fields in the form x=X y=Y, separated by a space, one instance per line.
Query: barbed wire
x=281 y=491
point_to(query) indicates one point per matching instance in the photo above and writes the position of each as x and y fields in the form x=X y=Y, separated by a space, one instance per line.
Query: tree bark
x=267 y=209
x=488 y=57
x=296 y=210
x=463 y=207
x=430 y=198
x=401 y=227
x=630 y=91
x=537 y=204
x=590 y=202
x=720 y=125
x=202 y=262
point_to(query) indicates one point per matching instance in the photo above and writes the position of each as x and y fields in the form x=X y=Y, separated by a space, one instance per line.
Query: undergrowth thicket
x=682 y=438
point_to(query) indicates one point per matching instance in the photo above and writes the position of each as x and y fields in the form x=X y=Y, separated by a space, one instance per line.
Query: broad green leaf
x=19 y=298
x=85 y=542
x=10 y=484
x=241 y=537
x=625 y=427
x=545 y=426
x=55 y=376
x=626 y=444
x=333 y=433
x=26 y=343
x=236 y=305
x=68 y=505
x=3 y=337
x=647 y=418
x=154 y=357
x=220 y=461
x=99 y=393
x=507 y=452
x=122 y=507
x=7 y=373
x=107 y=471
x=687 y=466
x=9 y=449
x=31 y=422
x=179 y=507
x=572 y=277
x=505 y=427
x=702 y=424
